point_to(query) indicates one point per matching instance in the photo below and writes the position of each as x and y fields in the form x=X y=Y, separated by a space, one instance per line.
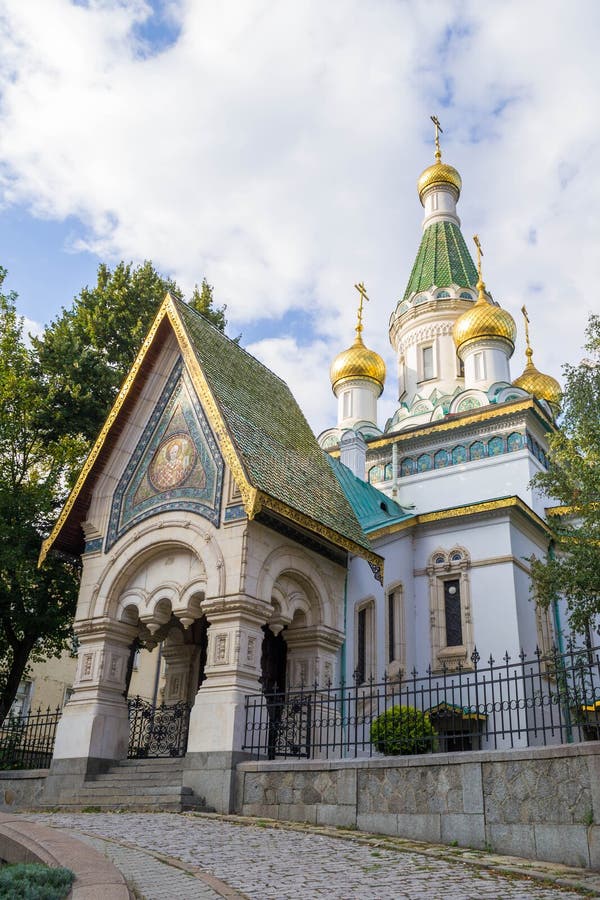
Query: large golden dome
x=439 y=173
x=544 y=387
x=484 y=320
x=357 y=362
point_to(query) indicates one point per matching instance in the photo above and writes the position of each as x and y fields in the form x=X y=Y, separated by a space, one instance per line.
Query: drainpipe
x=555 y=608
x=561 y=644
x=394 y=470
x=343 y=652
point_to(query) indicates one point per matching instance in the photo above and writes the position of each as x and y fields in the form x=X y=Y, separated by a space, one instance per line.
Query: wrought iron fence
x=27 y=742
x=157 y=731
x=546 y=699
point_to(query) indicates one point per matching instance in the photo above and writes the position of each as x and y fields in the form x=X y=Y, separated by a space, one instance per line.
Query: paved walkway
x=204 y=857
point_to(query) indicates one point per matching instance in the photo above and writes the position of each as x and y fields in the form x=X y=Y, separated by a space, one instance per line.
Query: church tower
x=442 y=285
x=357 y=377
x=485 y=338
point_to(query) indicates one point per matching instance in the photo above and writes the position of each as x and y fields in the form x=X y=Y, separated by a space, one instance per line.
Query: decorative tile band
x=234 y=513
x=459 y=454
x=94 y=546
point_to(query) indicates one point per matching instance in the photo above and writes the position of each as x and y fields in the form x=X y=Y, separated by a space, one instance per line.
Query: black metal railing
x=546 y=699
x=157 y=731
x=27 y=742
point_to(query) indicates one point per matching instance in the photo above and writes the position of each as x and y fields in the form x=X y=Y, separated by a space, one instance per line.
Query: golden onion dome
x=357 y=362
x=544 y=387
x=484 y=320
x=437 y=174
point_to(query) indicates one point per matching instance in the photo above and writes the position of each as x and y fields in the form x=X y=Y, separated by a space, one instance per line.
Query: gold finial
x=438 y=129
x=528 y=351
x=363 y=296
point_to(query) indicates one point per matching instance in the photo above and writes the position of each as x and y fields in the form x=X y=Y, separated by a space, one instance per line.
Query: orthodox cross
x=438 y=130
x=526 y=317
x=479 y=254
x=363 y=296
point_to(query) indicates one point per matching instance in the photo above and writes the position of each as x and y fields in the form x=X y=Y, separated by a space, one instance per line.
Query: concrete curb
x=95 y=877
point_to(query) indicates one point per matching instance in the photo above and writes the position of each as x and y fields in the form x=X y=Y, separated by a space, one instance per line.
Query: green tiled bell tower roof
x=443 y=259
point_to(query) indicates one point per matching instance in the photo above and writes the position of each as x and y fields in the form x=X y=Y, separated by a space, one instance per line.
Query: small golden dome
x=484 y=320
x=357 y=362
x=544 y=387
x=439 y=173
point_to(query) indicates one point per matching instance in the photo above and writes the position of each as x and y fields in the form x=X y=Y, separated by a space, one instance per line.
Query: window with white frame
x=479 y=366
x=364 y=643
x=22 y=702
x=347 y=404
x=426 y=363
x=450 y=608
x=395 y=641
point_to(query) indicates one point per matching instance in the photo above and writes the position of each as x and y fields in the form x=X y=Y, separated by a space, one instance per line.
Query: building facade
x=212 y=524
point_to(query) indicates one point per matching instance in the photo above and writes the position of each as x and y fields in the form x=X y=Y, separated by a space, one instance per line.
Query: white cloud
x=274 y=148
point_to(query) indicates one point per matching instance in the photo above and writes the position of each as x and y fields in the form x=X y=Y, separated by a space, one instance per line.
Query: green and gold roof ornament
x=358 y=361
x=542 y=386
x=484 y=320
x=439 y=173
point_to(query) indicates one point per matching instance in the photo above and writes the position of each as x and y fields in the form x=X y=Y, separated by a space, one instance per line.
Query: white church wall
x=471 y=482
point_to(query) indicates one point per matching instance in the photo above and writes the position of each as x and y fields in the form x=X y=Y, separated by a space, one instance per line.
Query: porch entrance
x=158 y=728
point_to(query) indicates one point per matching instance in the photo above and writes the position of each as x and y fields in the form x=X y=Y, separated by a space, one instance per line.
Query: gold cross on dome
x=438 y=130
x=526 y=317
x=363 y=296
x=479 y=254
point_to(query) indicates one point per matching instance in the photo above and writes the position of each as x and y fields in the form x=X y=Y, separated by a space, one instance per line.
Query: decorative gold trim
x=268 y=502
x=252 y=499
x=561 y=511
x=211 y=407
x=101 y=439
x=503 y=409
x=462 y=511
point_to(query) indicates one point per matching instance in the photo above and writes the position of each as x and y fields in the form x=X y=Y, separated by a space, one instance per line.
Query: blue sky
x=274 y=149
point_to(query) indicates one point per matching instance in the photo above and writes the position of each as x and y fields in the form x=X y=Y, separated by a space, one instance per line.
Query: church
x=214 y=526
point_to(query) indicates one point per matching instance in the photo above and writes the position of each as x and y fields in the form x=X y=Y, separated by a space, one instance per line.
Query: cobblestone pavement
x=265 y=863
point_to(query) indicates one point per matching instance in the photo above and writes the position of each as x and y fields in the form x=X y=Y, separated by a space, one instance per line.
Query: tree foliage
x=36 y=605
x=87 y=351
x=572 y=567
x=54 y=398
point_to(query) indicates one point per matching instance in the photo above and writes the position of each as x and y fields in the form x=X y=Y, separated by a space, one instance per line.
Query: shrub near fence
x=27 y=742
x=543 y=700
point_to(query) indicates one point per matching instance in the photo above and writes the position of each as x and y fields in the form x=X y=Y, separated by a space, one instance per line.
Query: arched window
x=450 y=608
x=395 y=631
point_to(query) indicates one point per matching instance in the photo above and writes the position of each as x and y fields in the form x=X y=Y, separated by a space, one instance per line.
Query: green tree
x=572 y=567
x=36 y=605
x=87 y=351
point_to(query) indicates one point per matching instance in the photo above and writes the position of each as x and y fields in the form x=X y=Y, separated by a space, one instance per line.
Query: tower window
x=347 y=404
x=479 y=363
x=427 y=363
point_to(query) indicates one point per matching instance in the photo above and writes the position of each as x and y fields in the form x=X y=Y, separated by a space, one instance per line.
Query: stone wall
x=22 y=789
x=541 y=803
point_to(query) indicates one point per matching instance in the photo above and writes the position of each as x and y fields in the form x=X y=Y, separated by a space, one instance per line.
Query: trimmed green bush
x=403 y=731
x=34 y=881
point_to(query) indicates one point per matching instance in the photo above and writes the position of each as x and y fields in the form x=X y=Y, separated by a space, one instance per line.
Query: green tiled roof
x=373 y=508
x=276 y=445
x=443 y=259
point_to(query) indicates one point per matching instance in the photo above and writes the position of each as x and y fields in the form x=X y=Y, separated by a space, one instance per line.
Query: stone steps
x=138 y=785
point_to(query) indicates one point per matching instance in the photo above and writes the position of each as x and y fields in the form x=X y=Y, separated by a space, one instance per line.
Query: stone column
x=312 y=655
x=217 y=721
x=93 y=731
x=178 y=658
